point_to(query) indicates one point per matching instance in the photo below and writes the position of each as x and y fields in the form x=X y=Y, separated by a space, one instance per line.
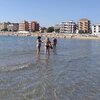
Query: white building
x=68 y=27
x=63 y=27
x=3 y=26
x=96 y=29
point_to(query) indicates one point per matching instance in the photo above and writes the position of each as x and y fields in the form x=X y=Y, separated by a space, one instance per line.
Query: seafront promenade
x=57 y=35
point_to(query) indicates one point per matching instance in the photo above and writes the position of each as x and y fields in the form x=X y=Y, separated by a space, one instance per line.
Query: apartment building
x=3 y=26
x=24 y=26
x=84 y=26
x=68 y=27
x=96 y=29
x=33 y=26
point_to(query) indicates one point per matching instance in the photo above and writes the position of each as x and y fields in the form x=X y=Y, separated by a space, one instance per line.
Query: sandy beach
x=60 y=35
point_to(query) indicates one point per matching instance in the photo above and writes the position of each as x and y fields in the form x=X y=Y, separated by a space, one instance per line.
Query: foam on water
x=13 y=68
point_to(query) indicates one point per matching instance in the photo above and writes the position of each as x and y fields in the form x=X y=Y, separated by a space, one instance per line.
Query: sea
x=71 y=72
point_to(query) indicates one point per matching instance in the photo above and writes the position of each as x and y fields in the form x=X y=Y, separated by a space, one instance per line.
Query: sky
x=49 y=12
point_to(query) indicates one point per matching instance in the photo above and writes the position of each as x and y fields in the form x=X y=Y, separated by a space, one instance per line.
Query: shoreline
x=60 y=35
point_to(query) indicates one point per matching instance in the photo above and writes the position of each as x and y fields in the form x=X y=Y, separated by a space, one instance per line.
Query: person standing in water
x=47 y=46
x=38 y=44
x=54 y=43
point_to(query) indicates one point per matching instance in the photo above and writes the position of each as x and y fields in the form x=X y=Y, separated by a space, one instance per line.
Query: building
x=33 y=26
x=63 y=27
x=24 y=26
x=96 y=29
x=84 y=26
x=13 y=27
x=3 y=26
x=68 y=27
x=57 y=28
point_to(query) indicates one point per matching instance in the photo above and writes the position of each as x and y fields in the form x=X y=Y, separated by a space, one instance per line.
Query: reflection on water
x=55 y=50
x=72 y=72
x=46 y=59
x=38 y=59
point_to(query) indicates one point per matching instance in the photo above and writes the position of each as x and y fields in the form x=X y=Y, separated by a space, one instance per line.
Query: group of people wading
x=47 y=44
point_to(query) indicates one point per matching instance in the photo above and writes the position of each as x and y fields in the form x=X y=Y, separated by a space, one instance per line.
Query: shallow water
x=70 y=73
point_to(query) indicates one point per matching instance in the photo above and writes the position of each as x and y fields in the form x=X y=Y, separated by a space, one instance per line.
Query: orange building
x=84 y=26
x=24 y=26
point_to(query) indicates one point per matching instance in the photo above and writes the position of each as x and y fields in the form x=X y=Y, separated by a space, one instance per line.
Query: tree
x=4 y=29
x=57 y=30
x=50 y=29
x=43 y=29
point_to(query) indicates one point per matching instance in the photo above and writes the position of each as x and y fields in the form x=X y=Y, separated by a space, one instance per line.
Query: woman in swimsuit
x=47 y=46
x=38 y=44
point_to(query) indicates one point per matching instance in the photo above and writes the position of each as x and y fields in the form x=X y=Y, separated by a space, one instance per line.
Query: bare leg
x=48 y=50
x=38 y=50
x=45 y=50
